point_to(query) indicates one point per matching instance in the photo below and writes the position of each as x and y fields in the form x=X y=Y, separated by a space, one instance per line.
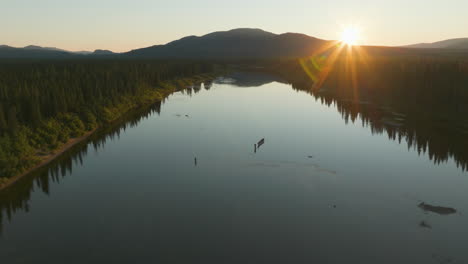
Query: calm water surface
x=317 y=191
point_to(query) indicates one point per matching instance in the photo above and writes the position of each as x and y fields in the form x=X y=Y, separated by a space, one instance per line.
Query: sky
x=122 y=25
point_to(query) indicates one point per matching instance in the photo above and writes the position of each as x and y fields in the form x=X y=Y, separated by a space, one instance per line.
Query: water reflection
x=419 y=126
x=249 y=79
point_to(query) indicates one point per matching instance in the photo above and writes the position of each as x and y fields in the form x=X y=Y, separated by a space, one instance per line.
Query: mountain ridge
x=241 y=43
x=38 y=52
x=456 y=43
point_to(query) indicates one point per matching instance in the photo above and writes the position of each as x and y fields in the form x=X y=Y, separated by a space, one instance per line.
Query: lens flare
x=350 y=35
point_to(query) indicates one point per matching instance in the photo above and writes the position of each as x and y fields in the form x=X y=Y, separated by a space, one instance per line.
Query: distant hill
x=237 y=43
x=34 y=52
x=37 y=52
x=459 y=43
x=102 y=52
x=34 y=47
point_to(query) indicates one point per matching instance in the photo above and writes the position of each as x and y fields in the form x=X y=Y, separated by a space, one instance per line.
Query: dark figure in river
x=195 y=161
x=261 y=142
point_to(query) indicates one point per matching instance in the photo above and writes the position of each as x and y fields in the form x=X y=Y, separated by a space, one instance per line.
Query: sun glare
x=350 y=35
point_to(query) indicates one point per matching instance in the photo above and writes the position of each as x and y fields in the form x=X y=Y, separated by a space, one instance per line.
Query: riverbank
x=151 y=96
x=46 y=159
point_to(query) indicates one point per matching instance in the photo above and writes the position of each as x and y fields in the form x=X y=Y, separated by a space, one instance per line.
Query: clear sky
x=122 y=25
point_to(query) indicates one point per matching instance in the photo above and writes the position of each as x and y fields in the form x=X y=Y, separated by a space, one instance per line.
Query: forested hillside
x=44 y=104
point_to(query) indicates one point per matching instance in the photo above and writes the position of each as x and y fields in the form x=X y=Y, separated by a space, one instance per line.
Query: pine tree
x=3 y=122
x=12 y=120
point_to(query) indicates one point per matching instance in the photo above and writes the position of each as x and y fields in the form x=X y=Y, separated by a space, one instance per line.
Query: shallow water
x=319 y=190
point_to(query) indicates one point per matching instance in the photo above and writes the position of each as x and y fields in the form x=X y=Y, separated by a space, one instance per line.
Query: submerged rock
x=424 y=224
x=437 y=209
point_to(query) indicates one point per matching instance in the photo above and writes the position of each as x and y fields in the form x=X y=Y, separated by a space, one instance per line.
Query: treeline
x=44 y=104
x=419 y=99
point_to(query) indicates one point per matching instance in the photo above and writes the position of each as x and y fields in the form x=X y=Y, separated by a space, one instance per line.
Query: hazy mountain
x=459 y=43
x=34 y=47
x=103 y=52
x=38 y=52
x=238 y=43
x=83 y=52
x=35 y=52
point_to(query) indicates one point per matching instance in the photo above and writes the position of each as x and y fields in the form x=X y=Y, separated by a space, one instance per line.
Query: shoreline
x=49 y=158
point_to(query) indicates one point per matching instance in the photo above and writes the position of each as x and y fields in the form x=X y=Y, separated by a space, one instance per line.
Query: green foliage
x=72 y=123
x=16 y=153
x=89 y=120
x=3 y=180
x=47 y=135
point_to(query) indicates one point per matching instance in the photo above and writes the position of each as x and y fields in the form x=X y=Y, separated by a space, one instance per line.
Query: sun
x=350 y=35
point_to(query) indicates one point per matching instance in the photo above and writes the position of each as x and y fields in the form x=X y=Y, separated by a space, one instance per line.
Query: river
x=183 y=182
